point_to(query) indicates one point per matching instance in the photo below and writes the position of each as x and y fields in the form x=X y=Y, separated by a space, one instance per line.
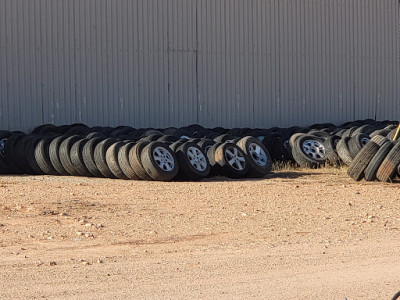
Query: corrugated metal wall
x=231 y=63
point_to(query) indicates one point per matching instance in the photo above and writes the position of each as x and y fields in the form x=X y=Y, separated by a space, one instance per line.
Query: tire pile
x=187 y=153
x=194 y=152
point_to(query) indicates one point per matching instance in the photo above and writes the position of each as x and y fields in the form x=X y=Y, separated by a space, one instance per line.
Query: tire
x=123 y=161
x=168 y=138
x=76 y=155
x=152 y=137
x=193 y=162
x=374 y=164
x=343 y=150
x=112 y=160
x=365 y=129
x=93 y=135
x=159 y=161
x=136 y=162
x=10 y=154
x=205 y=144
x=233 y=161
x=330 y=150
x=361 y=161
x=387 y=170
x=309 y=151
x=88 y=156
x=259 y=159
x=356 y=143
x=100 y=157
x=293 y=139
x=55 y=155
x=21 y=154
x=223 y=138
x=42 y=156
x=64 y=154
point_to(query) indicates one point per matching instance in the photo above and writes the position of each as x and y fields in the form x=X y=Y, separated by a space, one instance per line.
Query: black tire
x=374 y=164
x=10 y=157
x=76 y=155
x=123 y=161
x=361 y=161
x=259 y=159
x=64 y=154
x=42 y=156
x=152 y=137
x=21 y=154
x=342 y=150
x=356 y=143
x=330 y=150
x=193 y=162
x=387 y=170
x=112 y=160
x=88 y=156
x=309 y=151
x=223 y=138
x=30 y=155
x=55 y=155
x=100 y=157
x=159 y=161
x=233 y=161
x=136 y=162
x=95 y=134
x=168 y=138
x=206 y=144
x=365 y=129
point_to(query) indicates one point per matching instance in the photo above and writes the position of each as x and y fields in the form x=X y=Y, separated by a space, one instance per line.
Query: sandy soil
x=294 y=235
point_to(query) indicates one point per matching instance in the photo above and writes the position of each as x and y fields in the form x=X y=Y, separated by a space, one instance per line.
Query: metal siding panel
x=218 y=63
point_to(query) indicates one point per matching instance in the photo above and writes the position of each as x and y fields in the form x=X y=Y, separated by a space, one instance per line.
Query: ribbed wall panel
x=232 y=63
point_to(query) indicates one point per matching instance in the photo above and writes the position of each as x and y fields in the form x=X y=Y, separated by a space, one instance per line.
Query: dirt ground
x=297 y=234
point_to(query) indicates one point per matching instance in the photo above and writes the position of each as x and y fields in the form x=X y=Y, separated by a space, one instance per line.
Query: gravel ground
x=298 y=234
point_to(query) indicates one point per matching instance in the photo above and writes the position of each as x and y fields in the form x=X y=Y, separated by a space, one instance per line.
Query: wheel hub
x=163 y=159
x=258 y=154
x=314 y=149
x=196 y=159
x=235 y=159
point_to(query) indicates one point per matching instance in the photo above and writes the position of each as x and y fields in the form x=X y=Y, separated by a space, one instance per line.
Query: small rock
x=99 y=261
x=88 y=224
x=49 y=237
x=88 y=234
x=99 y=226
x=244 y=214
x=52 y=263
x=79 y=233
x=85 y=262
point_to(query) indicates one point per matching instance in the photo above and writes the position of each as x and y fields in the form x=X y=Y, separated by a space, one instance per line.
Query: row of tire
x=187 y=153
x=150 y=156
x=369 y=150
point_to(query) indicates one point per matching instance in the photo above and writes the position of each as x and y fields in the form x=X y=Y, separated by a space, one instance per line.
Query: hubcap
x=314 y=149
x=196 y=159
x=235 y=158
x=163 y=159
x=258 y=154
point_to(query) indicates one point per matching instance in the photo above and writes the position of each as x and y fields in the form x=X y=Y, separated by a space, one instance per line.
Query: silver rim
x=314 y=149
x=235 y=159
x=258 y=154
x=364 y=141
x=196 y=159
x=2 y=146
x=163 y=159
